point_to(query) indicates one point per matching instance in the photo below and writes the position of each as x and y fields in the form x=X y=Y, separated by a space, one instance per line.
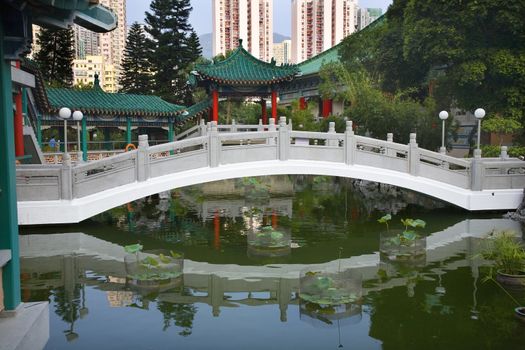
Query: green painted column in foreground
x=8 y=214
x=128 y=130
x=84 y=139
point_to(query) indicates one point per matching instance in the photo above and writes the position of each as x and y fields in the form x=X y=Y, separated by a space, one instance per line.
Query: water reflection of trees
x=177 y=314
x=67 y=306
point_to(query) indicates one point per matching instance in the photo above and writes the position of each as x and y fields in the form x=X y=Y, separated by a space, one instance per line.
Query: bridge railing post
x=413 y=156
x=214 y=146
x=271 y=127
x=284 y=139
x=260 y=127
x=476 y=171
x=331 y=130
x=390 y=138
x=234 y=126
x=504 y=153
x=349 y=143
x=66 y=177
x=143 y=158
x=202 y=128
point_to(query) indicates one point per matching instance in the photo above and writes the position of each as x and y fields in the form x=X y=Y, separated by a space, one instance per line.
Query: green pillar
x=107 y=139
x=8 y=213
x=24 y=106
x=84 y=139
x=128 y=130
x=171 y=134
x=61 y=138
x=39 y=130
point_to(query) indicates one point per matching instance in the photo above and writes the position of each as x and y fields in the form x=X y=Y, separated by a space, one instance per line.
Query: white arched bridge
x=70 y=193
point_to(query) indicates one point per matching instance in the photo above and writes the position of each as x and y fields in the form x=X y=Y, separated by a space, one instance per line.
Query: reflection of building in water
x=119 y=298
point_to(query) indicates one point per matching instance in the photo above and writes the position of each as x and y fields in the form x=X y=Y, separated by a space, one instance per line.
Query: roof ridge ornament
x=96 y=82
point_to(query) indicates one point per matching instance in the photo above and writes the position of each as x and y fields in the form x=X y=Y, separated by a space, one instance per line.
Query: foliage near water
x=464 y=54
x=506 y=252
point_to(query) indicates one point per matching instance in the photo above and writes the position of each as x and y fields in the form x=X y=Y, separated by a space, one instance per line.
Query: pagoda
x=242 y=74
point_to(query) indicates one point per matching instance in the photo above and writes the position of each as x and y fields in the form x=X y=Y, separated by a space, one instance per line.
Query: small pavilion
x=242 y=74
x=104 y=110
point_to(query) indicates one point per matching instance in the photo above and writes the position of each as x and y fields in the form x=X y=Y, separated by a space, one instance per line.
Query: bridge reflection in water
x=67 y=261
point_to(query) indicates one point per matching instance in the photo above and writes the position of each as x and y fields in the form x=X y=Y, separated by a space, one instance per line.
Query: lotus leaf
x=175 y=255
x=385 y=219
x=133 y=248
x=409 y=235
x=276 y=235
x=150 y=262
x=164 y=259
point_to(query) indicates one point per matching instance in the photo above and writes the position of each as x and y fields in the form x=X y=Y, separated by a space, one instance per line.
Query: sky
x=201 y=19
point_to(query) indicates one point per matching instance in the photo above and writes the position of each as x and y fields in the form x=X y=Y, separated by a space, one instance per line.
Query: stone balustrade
x=212 y=145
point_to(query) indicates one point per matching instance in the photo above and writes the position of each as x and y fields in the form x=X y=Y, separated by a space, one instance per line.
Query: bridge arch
x=76 y=210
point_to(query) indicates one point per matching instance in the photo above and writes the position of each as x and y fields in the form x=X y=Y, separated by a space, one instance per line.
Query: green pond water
x=271 y=263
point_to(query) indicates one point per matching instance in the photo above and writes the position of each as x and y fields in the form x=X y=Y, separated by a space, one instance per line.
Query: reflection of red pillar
x=274 y=220
x=327 y=108
x=274 y=105
x=215 y=108
x=302 y=103
x=264 y=114
x=217 y=230
x=19 y=122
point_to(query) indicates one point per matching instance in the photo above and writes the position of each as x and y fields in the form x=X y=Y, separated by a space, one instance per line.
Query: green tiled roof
x=96 y=101
x=313 y=65
x=241 y=68
x=194 y=111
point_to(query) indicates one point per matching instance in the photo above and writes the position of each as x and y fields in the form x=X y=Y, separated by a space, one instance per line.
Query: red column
x=19 y=122
x=215 y=95
x=327 y=108
x=275 y=219
x=264 y=114
x=274 y=105
x=302 y=103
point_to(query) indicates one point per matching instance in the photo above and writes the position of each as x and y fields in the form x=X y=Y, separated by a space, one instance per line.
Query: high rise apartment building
x=112 y=44
x=106 y=49
x=249 y=20
x=86 y=42
x=84 y=71
x=317 y=25
x=282 y=52
x=365 y=16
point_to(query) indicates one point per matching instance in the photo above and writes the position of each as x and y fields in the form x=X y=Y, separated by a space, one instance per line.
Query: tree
x=56 y=54
x=194 y=47
x=480 y=50
x=379 y=113
x=167 y=23
x=136 y=77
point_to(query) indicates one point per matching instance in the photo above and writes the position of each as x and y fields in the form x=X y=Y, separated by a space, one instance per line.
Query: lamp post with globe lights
x=479 y=114
x=65 y=113
x=443 y=115
x=77 y=116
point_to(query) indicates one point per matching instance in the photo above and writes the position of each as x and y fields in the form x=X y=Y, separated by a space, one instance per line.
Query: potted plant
x=508 y=256
x=268 y=242
x=405 y=244
x=153 y=269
